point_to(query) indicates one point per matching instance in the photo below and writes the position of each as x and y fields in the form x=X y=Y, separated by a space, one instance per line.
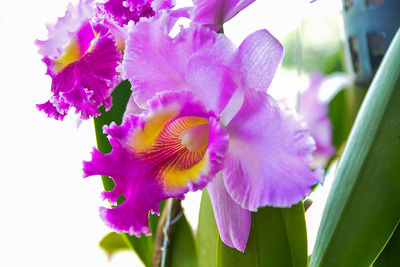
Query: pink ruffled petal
x=51 y=110
x=175 y=147
x=269 y=155
x=61 y=33
x=123 y=11
x=261 y=55
x=232 y=220
x=142 y=193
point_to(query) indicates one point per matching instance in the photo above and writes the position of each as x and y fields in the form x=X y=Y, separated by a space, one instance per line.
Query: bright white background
x=49 y=214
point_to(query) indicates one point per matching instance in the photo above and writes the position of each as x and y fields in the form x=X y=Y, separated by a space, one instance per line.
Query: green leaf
x=390 y=256
x=363 y=207
x=207 y=234
x=143 y=247
x=182 y=249
x=113 y=243
x=341 y=116
x=277 y=238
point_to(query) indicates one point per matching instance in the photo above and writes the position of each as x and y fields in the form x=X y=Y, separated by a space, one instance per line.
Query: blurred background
x=49 y=214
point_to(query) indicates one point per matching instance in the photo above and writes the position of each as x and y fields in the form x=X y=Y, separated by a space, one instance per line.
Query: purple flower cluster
x=200 y=115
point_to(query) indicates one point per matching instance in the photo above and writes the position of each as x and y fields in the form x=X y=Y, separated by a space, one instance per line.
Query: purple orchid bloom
x=315 y=113
x=81 y=55
x=123 y=11
x=208 y=123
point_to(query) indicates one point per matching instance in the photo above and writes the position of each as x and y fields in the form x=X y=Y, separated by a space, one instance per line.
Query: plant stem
x=165 y=228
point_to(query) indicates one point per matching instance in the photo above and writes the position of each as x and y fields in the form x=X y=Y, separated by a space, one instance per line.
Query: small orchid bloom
x=123 y=11
x=208 y=123
x=217 y=12
x=315 y=113
x=81 y=57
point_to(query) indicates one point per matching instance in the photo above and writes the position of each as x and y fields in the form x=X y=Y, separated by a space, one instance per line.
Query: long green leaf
x=363 y=207
x=277 y=238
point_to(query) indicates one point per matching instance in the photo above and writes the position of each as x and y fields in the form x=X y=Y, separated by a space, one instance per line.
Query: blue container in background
x=370 y=25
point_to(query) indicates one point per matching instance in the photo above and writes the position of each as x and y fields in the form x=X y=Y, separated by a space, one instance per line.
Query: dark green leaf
x=340 y=116
x=390 y=256
x=277 y=238
x=112 y=243
x=363 y=207
x=182 y=249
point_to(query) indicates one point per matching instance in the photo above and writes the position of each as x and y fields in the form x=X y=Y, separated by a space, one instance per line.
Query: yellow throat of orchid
x=176 y=146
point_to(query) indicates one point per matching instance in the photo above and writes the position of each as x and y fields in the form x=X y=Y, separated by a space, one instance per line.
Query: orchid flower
x=81 y=55
x=207 y=12
x=315 y=113
x=208 y=123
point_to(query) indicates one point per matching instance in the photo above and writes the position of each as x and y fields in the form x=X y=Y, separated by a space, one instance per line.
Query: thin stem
x=165 y=232
x=171 y=213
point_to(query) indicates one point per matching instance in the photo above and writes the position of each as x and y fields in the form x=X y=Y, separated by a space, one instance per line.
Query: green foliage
x=277 y=238
x=207 y=234
x=340 y=114
x=113 y=243
x=390 y=256
x=182 y=249
x=363 y=208
x=120 y=97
